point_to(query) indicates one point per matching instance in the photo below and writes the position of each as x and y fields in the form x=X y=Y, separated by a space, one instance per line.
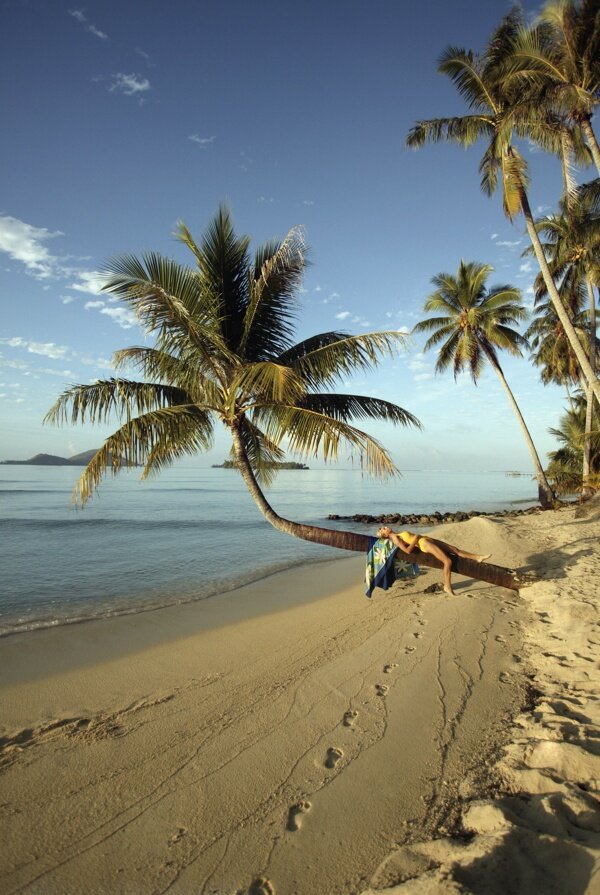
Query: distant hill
x=52 y=460
x=230 y=464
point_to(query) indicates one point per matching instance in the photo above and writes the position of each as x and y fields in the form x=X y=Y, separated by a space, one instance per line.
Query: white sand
x=258 y=743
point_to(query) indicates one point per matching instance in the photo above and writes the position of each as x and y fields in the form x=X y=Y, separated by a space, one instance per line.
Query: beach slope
x=293 y=737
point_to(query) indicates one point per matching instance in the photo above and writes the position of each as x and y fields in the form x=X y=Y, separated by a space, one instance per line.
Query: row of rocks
x=428 y=518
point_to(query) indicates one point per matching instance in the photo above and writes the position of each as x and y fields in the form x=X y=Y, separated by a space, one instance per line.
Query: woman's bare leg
x=432 y=547
x=477 y=557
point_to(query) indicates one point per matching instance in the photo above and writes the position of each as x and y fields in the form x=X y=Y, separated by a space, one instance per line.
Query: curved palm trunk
x=588 y=130
x=582 y=359
x=546 y=495
x=586 y=490
x=349 y=540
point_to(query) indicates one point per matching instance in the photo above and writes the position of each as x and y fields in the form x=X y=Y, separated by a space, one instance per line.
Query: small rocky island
x=52 y=460
x=231 y=464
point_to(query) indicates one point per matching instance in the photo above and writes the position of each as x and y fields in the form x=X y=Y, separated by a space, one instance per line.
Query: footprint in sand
x=409 y=649
x=295 y=815
x=387 y=669
x=176 y=837
x=334 y=756
x=421 y=621
x=350 y=717
x=500 y=638
x=417 y=634
x=381 y=689
x=262 y=886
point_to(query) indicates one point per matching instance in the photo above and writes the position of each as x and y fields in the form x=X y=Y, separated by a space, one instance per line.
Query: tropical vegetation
x=541 y=83
x=504 y=100
x=565 y=469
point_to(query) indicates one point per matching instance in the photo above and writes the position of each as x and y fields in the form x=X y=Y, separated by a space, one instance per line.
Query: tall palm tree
x=224 y=351
x=475 y=322
x=573 y=250
x=558 y=61
x=497 y=116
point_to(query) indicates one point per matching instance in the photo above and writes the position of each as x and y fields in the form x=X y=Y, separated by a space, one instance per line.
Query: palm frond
x=464 y=130
x=266 y=382
x=310 y=433
x=351 y=407
x=151 y=440
x=269 y=316
x=327 y=358
x=464 y=70
x=98 y=401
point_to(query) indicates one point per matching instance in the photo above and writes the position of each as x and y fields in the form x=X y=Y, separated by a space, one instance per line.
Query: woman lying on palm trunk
x=407 y=541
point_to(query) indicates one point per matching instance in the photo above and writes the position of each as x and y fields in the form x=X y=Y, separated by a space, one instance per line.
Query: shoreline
x=119 y=608
x=329 y=743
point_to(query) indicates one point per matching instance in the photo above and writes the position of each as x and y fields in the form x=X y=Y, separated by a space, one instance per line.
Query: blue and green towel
x=383 y=568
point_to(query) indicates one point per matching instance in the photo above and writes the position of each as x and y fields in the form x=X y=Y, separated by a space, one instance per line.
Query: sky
x=122 y=118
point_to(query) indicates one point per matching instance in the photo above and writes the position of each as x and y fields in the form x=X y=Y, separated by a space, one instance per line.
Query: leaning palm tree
x=224 y=351
x=498 y=115
x=557 y=61
x=475 y=322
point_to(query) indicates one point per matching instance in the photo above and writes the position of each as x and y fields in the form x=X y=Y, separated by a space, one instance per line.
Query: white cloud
x=129 y=84
x=268 y=199
x=334 y=295
x=494 y=236
x=126 y=319
x=203 y=142
x=526 y=267
x=67 y=299
x=93 y=304
x=47 y=349
x=318 y=289
x=81 y=17
x=307 y=202
x=404 y=330
x=25 y=243
x=422 y=377
x=342 y=315
x=508 y=243
x=89 y=281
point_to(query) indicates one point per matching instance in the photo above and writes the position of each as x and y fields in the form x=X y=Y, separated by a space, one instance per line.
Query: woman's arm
x=395 y=538
x=406 y=548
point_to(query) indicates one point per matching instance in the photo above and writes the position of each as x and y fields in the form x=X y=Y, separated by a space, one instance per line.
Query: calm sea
x=189 y=534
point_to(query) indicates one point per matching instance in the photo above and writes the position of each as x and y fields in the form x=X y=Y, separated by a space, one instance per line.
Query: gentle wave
x=171 y=524
x=22 y=625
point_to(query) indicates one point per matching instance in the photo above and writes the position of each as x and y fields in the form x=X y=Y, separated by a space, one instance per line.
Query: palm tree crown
x=475 y=321
x=224 y=350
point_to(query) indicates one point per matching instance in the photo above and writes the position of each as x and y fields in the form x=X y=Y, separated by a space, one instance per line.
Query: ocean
x=189 y=534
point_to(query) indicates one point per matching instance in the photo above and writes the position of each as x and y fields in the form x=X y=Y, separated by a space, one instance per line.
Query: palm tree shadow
x=527 y=861
x=554 y=563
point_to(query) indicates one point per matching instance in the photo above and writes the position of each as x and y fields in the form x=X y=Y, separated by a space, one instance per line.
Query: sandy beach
x=293 y=737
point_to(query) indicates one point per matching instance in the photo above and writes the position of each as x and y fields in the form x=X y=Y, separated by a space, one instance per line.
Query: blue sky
x=122 y=118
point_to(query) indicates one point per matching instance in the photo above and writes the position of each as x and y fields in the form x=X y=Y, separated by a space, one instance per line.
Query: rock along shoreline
x=435 y=518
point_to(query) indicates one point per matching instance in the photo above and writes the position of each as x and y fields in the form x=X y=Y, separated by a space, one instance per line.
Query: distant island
x=81 y=459
x=231 y=464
